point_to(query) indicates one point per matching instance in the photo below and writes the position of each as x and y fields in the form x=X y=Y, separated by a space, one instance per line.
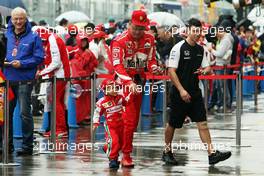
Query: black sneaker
x=218 y=156
x=114 y=164
x=168 y=158
x=24 y=152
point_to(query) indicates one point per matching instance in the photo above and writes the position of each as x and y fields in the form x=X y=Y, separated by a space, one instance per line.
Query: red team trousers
x=60 y=107
x=131 y=118
x=114 y=138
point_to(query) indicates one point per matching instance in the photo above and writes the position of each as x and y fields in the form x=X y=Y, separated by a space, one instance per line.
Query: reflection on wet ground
x=77 y=156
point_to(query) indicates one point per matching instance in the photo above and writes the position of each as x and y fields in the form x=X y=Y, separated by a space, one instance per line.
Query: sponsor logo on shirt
x=107 y=104
x=129 y=44
x=147 y=45
x=186 y=53
x=116 y=49
x=114 y=109
x=130 y=51
x=116 y=52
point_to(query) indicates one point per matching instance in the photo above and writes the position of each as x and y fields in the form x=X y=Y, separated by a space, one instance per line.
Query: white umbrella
x=225 y=8
x=223 y=4
x=73 y=17
x=166 y=19
x=5 y=11
x=81 y=25
x=255 y=13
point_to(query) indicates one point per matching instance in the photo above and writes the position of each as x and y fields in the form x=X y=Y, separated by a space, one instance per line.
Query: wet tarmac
x=77 y=156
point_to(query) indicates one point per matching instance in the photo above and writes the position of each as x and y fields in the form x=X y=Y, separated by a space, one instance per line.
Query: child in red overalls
x=111 y=106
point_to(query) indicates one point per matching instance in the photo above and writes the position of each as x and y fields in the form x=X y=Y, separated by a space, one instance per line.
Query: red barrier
x=236 y=66
x=218 y=77
x=104 y=76
x=260 y=63
x=253 y=77
x=216 y=67
x=210 y=77
x=201 y=77
x=158 y=77
x=166 y=77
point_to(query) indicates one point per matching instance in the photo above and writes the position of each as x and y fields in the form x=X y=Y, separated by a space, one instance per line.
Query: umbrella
x=73 y=17
x=255 y=13
x=80 y=25
x=166 y=19
x=225 y=8
x=12 y=3
x=5 y=11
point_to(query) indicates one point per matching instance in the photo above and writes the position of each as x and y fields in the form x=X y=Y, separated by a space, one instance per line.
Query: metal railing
x=92 y=78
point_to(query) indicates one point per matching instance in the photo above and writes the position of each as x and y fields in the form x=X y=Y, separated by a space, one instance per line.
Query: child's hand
x=95 y=127
x=128 y=97
x=37 y=74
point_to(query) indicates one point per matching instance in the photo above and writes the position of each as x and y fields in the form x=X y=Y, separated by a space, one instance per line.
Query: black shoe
x=220 y=109
x=168 y=158
x=85 y=122
x=218 y=156
x=114 y=164
x=24 y=152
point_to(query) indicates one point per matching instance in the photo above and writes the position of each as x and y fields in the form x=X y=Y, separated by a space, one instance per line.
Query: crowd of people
x=126 y=50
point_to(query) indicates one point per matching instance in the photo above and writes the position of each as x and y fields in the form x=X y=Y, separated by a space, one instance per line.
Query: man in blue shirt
x=24 y=53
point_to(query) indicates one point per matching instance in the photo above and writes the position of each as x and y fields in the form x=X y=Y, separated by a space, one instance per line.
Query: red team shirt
x=130 y=57
x=111 y=107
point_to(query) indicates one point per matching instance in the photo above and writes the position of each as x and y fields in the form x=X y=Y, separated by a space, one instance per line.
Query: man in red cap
x=133 y=52
x=71 y=41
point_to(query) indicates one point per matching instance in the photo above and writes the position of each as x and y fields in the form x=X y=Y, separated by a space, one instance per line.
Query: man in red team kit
x=133 y=53
x=56 y=64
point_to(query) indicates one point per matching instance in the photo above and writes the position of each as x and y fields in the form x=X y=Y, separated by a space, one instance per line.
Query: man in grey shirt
x=223 y=54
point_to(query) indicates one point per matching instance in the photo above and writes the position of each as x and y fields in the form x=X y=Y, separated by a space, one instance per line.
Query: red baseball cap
x=107 y=82
x=99 y=34
x=100 y=27
x=43 y=32
x=139 y=18
x=153 y=23
x=72 y=29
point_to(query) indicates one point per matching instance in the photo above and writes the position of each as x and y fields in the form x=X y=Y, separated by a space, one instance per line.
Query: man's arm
x=118 y=55
x=205 y=66
x=172 y=64
x=152 y=62
x=224 y=45
x=55 y=57
x=176 y=82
